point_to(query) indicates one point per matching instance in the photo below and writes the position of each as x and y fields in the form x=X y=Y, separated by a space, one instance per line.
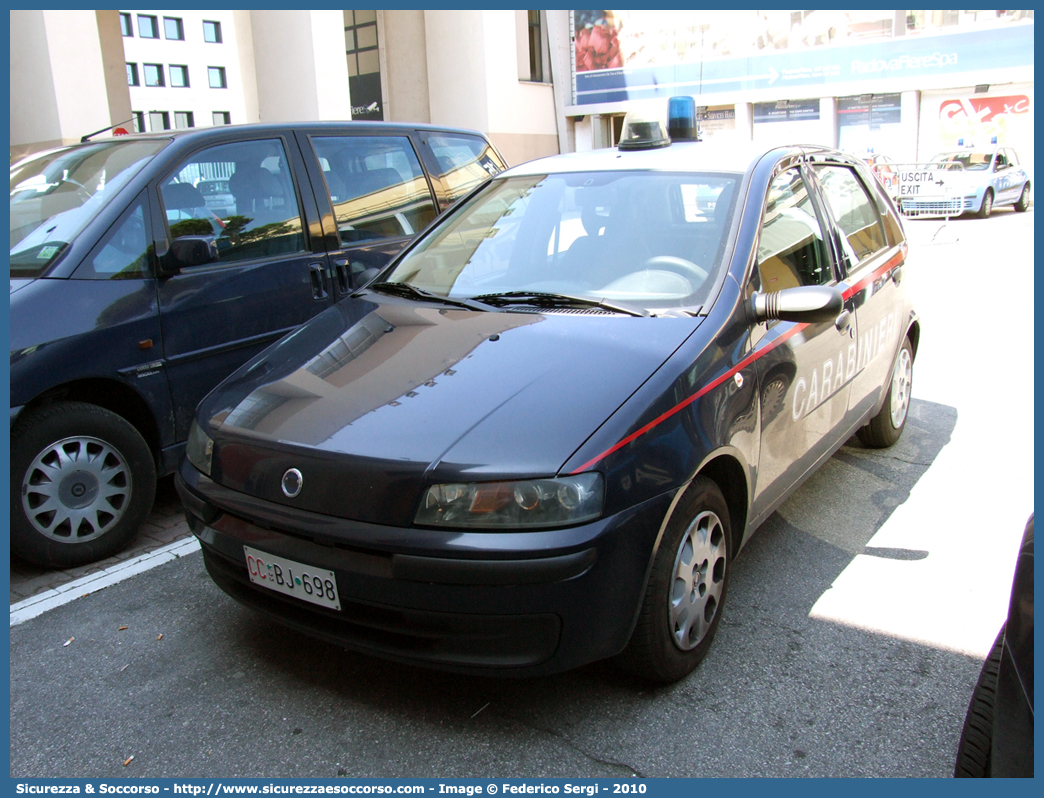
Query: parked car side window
x=863 y=234
x=791 y=249
x=464 y=162
x=237 y=201
x=376 y=185
x=124 y=251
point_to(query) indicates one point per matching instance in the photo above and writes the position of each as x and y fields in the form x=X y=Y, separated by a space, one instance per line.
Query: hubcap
x=902 y=380
x=76 y=489
x=699 y=577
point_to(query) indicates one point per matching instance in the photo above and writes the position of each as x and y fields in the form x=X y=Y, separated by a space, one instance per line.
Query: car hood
x=19 y=284
x=375 y=398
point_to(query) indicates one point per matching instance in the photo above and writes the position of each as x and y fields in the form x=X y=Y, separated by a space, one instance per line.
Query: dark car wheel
x=686 y=592
x=887 y=426
x=1023 y=202
x=973 y=751
x=82 y=481
x=987 y=205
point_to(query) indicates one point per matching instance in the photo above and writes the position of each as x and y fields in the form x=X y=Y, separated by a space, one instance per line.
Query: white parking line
x=85 y=585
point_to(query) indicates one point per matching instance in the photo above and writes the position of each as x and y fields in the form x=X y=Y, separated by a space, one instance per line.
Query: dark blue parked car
x=144 y=269
x=539 y=437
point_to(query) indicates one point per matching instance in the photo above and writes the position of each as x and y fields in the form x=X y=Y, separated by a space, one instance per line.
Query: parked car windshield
x=971 y=161
x=55 y=195
x=650 y=239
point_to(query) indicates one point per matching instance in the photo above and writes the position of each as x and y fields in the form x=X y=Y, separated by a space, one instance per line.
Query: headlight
x=200 y=448
x=529 y=503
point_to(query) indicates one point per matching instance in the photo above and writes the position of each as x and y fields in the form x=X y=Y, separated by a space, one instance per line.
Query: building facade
x=902 y=83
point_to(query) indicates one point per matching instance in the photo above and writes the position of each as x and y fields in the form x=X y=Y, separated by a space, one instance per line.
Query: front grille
x=943 y=207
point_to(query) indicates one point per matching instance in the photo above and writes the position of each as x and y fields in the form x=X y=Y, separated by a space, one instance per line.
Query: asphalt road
x=856 y=623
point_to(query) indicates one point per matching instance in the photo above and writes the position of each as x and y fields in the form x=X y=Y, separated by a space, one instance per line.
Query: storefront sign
x=786 y=111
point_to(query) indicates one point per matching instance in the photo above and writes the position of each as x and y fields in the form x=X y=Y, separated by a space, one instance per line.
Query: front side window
x=651 y=239
x=153 y=74
x=56 y=195
x=123 y=253
x=173 y=29
x=250 y=209
x=217 y=77
x=464 y=162
x=147 y=27
x=791 y=250
x=376 y=185
x=853 y=210
x=179 y=76
x=212 y=32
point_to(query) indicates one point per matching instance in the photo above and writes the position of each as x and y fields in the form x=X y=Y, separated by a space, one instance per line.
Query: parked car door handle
x=341 y=270
x=318 y=282
x=897 y=275
x=844 y=322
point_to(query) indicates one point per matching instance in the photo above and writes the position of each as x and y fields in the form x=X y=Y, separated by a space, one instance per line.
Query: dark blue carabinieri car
x=539 y=437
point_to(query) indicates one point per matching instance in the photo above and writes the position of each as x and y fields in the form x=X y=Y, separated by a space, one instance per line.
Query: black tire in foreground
x=887 y=426
x=973 y=751
x=82 y=482
x=687 y=587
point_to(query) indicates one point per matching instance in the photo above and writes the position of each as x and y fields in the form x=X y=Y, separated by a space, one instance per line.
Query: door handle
x=844 y=322
x=341 y=270
x=897 y=275
x=319 y=291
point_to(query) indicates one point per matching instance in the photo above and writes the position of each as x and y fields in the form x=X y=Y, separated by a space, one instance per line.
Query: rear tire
x=82 y=482
x=686 y=593
x=973 y=751
x=887 y=426
x=1023 y=202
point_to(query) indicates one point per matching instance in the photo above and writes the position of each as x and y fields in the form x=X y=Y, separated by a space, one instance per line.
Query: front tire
x=82 y=482
x=987 y=205
x=887 y=426
x=973 y=751
x=686 y=593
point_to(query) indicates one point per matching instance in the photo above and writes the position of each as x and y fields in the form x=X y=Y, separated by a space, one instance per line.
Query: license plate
x=305 y=582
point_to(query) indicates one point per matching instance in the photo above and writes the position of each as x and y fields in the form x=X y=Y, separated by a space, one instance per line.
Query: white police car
x=539 y=437
x=970 y=181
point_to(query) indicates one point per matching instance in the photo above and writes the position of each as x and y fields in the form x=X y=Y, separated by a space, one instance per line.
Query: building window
x=153 y=74
x=183 y=119
x=139 y=121
x=159 y=120
x=536 y=38
x=179 y=76
x=126 y=25
x=147 y=27
x=222 y=118
x=172 y=28
x=132 y=75
x=212 y=31
x=360 y=42
x=217 y=77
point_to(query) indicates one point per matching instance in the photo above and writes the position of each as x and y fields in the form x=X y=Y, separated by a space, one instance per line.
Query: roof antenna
x=110 y=127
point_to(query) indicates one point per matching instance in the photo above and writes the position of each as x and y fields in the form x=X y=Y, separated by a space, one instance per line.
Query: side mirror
x=186 y=252
x=804 y=304
x=365 y=276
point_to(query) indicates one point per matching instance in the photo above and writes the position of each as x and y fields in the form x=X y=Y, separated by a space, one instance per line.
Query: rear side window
x=791 y=249
x=862 y=233
x=464 y=162
x=236 y=200
x=376 y=185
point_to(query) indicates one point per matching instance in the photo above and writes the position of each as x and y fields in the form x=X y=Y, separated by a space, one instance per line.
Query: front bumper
x=500 y=603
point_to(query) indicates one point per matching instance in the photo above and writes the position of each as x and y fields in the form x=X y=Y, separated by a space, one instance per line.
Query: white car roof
x=679 y=157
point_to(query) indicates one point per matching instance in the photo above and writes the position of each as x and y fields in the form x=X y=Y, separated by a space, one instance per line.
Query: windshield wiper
x=408 y=291
x=542 y=299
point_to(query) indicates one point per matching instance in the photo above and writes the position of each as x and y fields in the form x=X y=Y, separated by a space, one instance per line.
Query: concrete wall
x=405 y=66
x=300 y=65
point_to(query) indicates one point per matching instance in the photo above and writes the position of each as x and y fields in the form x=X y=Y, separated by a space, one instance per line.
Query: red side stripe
x=894 y=261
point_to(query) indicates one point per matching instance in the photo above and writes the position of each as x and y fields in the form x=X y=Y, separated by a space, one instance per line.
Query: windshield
x=55 y=195
x=648 y=239
x=971 y=161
